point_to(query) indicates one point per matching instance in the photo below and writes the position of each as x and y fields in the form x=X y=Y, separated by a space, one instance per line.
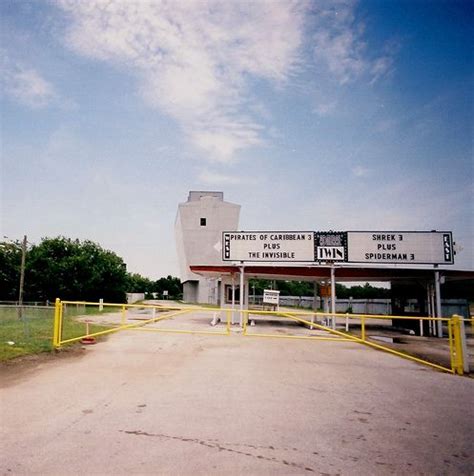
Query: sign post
x=333 y=296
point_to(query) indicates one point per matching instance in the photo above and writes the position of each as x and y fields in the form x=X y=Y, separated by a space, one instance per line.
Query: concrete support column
x=428 y=300
x=222 y=298
x=429 y=308
x=315 y=301
x=242 y=291
x=438 y=303
x=233 y=299
x=333 y=295
x=315 y=296
x=433 y=312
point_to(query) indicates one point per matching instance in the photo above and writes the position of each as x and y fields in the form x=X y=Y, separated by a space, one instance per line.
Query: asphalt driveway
x=154 y=403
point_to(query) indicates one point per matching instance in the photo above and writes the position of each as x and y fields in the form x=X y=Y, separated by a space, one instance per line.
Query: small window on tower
x=203 y=222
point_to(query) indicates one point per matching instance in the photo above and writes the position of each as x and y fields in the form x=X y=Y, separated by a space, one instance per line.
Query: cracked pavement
x=152 y=403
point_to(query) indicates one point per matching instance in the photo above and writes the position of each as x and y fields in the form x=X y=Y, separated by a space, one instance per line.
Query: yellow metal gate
x=73 y=322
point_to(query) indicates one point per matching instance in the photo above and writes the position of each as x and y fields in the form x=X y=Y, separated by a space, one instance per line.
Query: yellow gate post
x=124 y=319
x=228 y=321
x=245 y=319
x=451 y=346
x=56 y=327
x=458 y=365
x=362 y=327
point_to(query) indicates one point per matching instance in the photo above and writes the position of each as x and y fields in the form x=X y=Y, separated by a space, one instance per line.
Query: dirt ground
x=20 y=368
x=163 y=403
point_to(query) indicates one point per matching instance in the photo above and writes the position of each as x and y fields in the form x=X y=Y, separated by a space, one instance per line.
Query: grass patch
x=34 y=333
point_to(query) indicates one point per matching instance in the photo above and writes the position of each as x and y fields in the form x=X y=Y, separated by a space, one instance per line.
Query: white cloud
x=194 y=59
x=341 y=52
x=360 y=171
x=339 y=44
x=214 y=178
x=25 y=84
x=380 y=67
x=324 y=109
x=385 y=125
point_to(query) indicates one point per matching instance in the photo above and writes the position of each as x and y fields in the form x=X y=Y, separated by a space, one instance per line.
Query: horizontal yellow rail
x=344 y=315
x=158 y=307
x=122 y=327
x=376 y=346
x=278 y=336
x=165 y=313
x=258 y=312
x=407 y=356
x=319 y=326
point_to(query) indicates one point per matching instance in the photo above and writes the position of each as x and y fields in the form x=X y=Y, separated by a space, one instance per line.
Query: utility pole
x=22 y=278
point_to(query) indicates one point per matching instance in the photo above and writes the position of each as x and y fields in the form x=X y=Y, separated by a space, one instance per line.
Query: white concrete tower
x=198 y=230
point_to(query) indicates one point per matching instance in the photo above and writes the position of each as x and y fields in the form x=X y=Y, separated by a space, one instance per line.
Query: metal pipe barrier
x=167 y=313
x=341 y=336
x=457 y=354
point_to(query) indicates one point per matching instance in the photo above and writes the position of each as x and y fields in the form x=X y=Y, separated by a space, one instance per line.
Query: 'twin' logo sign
x=330 y=253
x=330 y=246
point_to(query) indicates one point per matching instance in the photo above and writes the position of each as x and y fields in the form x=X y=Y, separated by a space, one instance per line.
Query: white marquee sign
x=377 y=247
x=404 y=247
x=268 y=246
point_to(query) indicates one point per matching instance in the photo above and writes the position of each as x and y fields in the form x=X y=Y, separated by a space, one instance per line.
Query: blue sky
x=311 y=115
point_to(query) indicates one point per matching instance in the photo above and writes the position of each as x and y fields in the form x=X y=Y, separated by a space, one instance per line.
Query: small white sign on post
x=272 y=297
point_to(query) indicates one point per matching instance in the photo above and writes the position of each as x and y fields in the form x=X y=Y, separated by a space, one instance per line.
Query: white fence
x=367 y=306
x=135 y=297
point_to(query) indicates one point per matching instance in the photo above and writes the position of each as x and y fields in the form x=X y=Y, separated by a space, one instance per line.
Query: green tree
x=172 y=285
x=74 y=270
x=366 y=291
x=259 y=285
x=306 y=288
x=10 y=260
x=295 y=288
x=136 y=283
